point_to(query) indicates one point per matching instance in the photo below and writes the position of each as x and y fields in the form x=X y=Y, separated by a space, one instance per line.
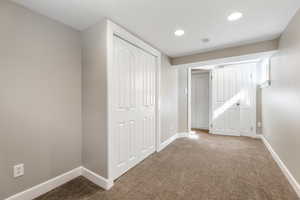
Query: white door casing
x=133 y=97
x=200 y=100
x=234 y=100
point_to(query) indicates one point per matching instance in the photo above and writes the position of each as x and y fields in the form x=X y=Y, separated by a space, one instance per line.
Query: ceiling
x=156 y=20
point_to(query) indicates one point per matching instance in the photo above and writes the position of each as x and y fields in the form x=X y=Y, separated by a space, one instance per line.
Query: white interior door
x=234 y=100
x=200 y=100
x=248 y=100
x=133 y=107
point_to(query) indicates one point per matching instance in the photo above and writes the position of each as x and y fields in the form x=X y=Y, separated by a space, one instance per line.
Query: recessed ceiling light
x=235 y=16
x=179 y=32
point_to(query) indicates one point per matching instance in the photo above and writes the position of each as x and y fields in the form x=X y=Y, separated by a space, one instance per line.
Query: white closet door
x=133 y=106
x=234 y=100
x=200 y=100
x=226 y=92
x=147 y=80
x=248 y=100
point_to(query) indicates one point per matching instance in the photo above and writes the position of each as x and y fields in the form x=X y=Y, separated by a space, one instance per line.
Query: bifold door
x=133 y=105
x=234 y=100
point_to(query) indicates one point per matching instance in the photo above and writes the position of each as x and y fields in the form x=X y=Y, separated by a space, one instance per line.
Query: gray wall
x=169 y=98
x=94 y=100
x=228 y=52
x=281 y=101
x=182 y=101
x=40 y=99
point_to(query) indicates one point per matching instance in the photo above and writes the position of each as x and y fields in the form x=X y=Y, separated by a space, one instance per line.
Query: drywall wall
x=94 y=99
x=169 y=104
x=281 y=101
x=40 y=106
x=228 y=52
x=182 y=100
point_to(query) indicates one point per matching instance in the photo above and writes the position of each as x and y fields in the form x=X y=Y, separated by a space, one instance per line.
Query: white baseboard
x=97 y=179
x=184 y=134
x=53 y=183
x=167 y=142
x=172 y=139
x=47 y=186
x=256 y=136
x=282 y=166
x=104 y=183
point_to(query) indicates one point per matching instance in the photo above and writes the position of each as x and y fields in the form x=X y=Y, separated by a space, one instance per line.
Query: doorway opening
x=200 y=100
x=222 y=99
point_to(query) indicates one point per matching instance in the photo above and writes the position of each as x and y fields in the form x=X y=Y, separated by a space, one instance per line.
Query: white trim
x=256 y=136
x=265 y=84
x=47 y=186
x=173 y=138
x=184 y=134
x=109 y=62
x=228 y=60
x=97 y=179
x=189 y=98
x=124 y=34
x=254 y=112
x=167 y=142
x=282 y=166
x=53 y=183
x=210 y=102
x=265 y=78
x=158 y=103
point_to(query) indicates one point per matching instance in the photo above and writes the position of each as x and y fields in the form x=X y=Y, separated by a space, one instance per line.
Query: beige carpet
x=207 y=168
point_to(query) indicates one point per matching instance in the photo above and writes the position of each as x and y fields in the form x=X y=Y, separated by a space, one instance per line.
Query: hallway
x=206 y=167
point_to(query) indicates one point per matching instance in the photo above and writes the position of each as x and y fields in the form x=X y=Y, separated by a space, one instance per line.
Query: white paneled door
x=234 y=100
x=200 y=100
x=133 y=105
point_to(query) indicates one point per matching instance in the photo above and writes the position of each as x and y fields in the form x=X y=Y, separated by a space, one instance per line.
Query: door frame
x=211 y=67
x=189 y=89
x=113 y=29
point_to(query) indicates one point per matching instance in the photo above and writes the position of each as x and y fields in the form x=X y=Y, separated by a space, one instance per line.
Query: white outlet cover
x=18 y=170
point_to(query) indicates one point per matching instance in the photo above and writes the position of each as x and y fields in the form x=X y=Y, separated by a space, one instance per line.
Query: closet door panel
x=133 y=111
x=147 y=106
x=124 y=107
x=248 y=100
x=234 y=100
x=225 y=101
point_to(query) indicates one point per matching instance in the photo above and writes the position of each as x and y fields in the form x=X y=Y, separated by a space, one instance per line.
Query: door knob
x=238 y=104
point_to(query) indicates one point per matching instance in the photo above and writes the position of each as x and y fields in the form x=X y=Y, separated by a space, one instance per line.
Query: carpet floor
x=209 y=167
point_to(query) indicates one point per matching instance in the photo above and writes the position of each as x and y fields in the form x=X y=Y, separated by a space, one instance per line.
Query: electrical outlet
x=18 y=170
